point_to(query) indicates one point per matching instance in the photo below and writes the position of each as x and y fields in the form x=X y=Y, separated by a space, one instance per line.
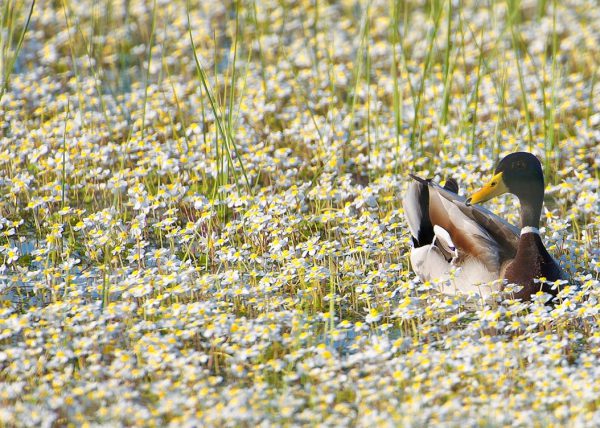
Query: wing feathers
x=412 y=209
x=474 y=230
x=470 y=238
x=416 y=207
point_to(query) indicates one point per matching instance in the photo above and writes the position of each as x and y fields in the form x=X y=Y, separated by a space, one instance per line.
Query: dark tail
x=425 y=234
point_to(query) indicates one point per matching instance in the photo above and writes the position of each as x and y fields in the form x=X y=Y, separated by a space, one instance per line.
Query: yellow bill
x=495 y=187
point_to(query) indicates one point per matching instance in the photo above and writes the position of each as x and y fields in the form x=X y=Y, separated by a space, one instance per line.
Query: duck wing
x=476 y=231
x=504 y=233
x=416 y=210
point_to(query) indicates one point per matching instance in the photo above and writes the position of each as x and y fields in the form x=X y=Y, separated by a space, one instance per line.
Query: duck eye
x=493 y=183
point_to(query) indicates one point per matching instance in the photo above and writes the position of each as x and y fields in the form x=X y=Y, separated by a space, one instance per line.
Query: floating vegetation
x=201 y=219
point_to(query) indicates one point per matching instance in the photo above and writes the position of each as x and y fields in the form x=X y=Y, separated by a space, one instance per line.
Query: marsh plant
x=201 y=219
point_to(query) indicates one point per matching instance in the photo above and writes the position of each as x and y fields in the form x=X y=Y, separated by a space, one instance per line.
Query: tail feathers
x=451 y=184
x=416 y=207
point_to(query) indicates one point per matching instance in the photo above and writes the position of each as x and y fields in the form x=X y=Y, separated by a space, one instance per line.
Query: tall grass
x=416 y=136
x=473 y=90
x=514 y=13
x=398 y=94
x=12 y=35
x=225 y=143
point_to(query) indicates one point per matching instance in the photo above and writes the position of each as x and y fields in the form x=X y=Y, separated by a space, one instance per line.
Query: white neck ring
x=530 y=229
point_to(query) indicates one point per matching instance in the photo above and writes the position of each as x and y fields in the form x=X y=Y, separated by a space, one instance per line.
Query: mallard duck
x=467 y=247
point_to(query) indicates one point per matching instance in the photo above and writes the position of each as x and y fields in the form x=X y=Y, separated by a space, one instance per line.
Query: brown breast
x=532 y=261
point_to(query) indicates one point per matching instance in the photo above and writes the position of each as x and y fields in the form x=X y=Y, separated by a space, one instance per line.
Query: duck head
x=520 y=174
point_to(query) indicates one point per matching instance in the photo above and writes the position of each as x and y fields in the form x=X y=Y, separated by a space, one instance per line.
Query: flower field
x=201 y=216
